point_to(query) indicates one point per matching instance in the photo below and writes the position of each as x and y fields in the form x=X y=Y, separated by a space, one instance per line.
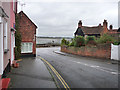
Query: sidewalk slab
x=62 y=53
x=32 y=73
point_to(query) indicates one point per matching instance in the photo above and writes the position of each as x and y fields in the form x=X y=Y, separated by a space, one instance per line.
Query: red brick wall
x=27 y=30
x=99 y=51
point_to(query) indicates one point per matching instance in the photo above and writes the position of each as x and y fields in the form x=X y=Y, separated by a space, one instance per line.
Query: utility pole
x=22 y=4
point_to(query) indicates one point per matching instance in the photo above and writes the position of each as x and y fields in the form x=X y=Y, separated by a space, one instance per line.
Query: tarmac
x=32 y=73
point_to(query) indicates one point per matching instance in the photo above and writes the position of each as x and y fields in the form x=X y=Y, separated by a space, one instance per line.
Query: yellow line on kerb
x=57 y=74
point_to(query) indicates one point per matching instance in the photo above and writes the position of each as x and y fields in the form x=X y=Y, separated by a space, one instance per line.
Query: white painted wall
x=119 y=52
x=12 y=46
x=115 y=52
x=1 y=46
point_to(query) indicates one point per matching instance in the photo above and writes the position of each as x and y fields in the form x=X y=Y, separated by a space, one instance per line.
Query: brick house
x=7 y=37
x=96 y=31
x=114 y=33
x=28 y=32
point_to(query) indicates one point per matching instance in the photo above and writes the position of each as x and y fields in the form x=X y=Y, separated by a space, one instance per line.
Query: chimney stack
x=105 y=24
x=80 y=24
x=111 y=27
x=100 y=25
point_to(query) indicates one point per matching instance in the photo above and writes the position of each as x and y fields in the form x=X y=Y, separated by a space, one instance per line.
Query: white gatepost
x=119 y=52
x=115 y=52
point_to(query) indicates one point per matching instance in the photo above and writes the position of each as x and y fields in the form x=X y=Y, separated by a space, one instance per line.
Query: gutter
x=2 y=12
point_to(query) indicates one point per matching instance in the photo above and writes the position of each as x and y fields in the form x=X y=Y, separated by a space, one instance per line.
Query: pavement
x=77 y=71
x=32 y=73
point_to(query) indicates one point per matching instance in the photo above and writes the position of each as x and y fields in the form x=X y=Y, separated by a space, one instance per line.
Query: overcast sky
x=60 y=17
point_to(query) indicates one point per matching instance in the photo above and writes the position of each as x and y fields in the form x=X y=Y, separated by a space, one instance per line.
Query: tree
x=17 y=39
x=79 y=41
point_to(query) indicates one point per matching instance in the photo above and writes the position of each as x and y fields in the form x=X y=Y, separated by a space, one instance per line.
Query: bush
x=90 y=40
x=18 y=39
x=79 y=41
x=67 y=42
x=72 y=43
x=17 y=54
x=116 y=43
x=105 y=39
x=64 y=42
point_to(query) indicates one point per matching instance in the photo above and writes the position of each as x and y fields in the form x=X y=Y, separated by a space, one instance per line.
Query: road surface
x=81 y=72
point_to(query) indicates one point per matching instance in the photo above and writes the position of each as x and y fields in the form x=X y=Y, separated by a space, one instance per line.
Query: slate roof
x=118 y=30
x=79 y=32
x=113 y=31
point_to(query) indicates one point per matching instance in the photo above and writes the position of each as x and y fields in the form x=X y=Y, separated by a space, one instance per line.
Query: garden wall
x=99 y=51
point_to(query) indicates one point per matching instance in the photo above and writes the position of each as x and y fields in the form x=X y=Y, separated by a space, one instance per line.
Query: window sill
x=26 y=52
x=6 y=50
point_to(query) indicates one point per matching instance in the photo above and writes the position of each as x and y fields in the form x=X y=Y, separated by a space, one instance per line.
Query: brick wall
x=27 y=29
x=99 y=51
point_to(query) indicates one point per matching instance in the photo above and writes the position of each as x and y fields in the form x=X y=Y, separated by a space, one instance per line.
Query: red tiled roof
x=113 y=31
x=92 y=30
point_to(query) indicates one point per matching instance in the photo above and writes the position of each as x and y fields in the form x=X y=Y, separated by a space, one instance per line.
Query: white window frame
x=26 y=47
x=14 y=5
x=5 y=26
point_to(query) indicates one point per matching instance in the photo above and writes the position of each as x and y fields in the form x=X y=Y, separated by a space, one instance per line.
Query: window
x=26 y=47
x=14 y=5
x=5 y=35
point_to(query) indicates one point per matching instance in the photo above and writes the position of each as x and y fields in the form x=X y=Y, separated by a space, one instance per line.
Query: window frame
x=14 y=5
x=26 y=47
x=5 y=35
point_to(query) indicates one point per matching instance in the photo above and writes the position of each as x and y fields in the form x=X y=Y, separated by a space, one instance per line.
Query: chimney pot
x=111 y=27
x=105 y=24
x=99 y=24
x=80 y=23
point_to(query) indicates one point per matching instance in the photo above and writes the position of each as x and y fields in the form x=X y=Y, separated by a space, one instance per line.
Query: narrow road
x=82 y=72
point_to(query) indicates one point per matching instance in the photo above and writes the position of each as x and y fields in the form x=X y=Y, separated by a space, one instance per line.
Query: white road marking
x=114 y=72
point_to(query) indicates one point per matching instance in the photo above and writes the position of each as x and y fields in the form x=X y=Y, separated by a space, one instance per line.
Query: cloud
x=69 y=0
x=60 y=19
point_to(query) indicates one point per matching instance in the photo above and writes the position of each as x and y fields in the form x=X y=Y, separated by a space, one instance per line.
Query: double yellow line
x=57 y=74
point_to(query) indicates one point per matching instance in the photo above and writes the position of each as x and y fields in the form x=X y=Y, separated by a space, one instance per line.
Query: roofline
x=28 y=18
x=2 y=12
x=92 y=26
